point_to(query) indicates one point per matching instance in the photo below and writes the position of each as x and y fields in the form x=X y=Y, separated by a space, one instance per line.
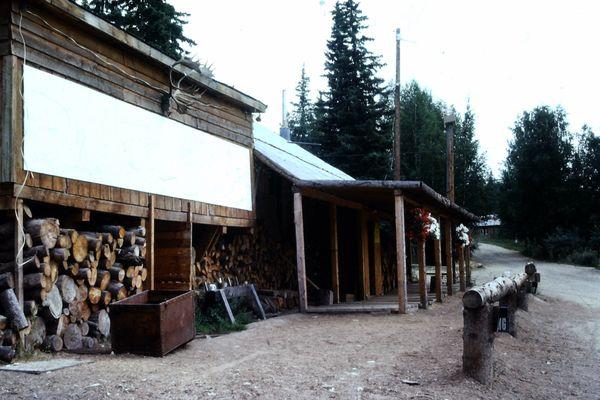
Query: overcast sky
x=502 y=57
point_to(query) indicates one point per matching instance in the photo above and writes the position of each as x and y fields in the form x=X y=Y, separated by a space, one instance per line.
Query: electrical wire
x=105 y=61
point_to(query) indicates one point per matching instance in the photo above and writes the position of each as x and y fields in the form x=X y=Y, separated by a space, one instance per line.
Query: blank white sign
x=76 y=132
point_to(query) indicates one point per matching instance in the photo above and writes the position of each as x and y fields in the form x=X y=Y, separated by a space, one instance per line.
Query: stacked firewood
x=70 y=277
x=239 y=257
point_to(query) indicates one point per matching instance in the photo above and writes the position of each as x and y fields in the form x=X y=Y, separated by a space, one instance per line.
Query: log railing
x=482 y=319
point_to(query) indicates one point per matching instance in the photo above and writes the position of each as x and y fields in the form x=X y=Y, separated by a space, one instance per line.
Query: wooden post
x=461 y=266
x=400 y=251
x=335 y=261
x=190 y=228
x=510 y=302
x=437 y=250
x=19 y=245
x=449 y=121
x=478 y=343
x=377 y=258
x=364 y=254
x=523 y=298
x=300 y=260
x=468 y=265
x=422 y=274
x=409 y=261
x=150 y=239
x=448 y=255
x=397 y=157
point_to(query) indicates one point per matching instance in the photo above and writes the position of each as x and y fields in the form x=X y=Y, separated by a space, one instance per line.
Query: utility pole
x=449 y=123
x=397 y=174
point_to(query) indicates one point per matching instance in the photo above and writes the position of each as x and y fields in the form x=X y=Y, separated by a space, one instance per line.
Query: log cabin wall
x=53 y=52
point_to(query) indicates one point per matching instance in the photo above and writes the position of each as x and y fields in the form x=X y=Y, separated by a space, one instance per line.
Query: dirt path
x=567 y=282
x=344 y=357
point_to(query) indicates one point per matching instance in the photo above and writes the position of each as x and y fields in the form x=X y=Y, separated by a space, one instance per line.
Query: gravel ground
x=348 y=357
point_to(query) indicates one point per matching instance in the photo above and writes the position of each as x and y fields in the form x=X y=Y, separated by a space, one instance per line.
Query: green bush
x=214 y=319
x=588 y=258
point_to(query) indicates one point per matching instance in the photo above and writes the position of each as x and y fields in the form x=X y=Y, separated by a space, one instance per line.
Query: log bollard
x=478 y=342
x=509 y=302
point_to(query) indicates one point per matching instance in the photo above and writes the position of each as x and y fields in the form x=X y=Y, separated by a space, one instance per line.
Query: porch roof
x=379 y=195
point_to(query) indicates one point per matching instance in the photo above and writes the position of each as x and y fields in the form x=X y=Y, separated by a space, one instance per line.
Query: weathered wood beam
x=493 y=291
x=364 y=254
x=478 y=339
x=190 y=228
x=18 y=248
x=437 y=250
x=11 y=119
x=319 y=195
x=400 y=251
x=300 y=257
x=150 y=232
x=378 y=281
x=335 y=261
x=423 y=303
x=461 y=267
x=448 y=255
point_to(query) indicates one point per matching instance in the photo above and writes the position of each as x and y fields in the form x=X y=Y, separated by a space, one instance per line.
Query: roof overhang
x=379 y=195
x=77 y=13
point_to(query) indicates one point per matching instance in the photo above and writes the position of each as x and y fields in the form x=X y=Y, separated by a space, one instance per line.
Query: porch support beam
x=300 y=260
x=422 y=274
x=400 y=251
x=377 y=258
x=437 y=251
x=335 y=262
x=461 y=267
x=448 y=254
x=364 y=254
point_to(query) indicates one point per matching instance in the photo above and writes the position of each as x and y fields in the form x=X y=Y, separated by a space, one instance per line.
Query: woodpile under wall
x=70 y=278
x=244 y=256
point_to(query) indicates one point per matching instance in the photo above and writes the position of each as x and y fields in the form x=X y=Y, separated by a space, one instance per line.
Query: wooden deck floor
x=375 y=304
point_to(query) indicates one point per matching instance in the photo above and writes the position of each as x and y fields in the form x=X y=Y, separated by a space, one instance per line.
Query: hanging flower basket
x=422 y=225
x=462 y=235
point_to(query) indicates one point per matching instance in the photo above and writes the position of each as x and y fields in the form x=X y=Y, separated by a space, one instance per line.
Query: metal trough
x=152 y=323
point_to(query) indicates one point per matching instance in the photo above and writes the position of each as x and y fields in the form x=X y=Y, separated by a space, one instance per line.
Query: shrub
x=588 y=258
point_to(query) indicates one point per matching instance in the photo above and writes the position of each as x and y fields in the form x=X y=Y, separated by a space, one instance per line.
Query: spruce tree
x=155 y=22
x=351 y=116
x=301 y=120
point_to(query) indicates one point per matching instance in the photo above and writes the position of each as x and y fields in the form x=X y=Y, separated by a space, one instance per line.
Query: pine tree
x=301 y=120
x=155 y=22
x=470 y=168
x=351 y=116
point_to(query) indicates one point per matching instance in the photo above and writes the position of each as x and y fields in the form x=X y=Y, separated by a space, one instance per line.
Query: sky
x=502 y=58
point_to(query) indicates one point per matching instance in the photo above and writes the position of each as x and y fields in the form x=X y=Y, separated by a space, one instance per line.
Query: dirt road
x=345 y=357
x=567 y=282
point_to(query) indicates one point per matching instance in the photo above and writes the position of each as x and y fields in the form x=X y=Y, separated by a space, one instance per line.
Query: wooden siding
x=52 y=52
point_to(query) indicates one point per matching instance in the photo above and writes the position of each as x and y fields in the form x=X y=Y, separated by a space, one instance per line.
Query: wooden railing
x=482 y=319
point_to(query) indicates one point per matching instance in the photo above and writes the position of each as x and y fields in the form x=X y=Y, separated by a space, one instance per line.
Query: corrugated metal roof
x=291 y=159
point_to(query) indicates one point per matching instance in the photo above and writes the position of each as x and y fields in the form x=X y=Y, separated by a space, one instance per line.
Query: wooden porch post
x=150 y=239
x=190 y=228
x=377 y=258
x=19 y=243
x=422 y=274
x=437 y=250
x=468 y=265
x=300 y=261
x=461 y=267
x=333 y=241
x=448 y=254
x=364 y=254
x=400 y=251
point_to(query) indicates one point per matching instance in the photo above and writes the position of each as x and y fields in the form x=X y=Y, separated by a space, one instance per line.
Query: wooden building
x=349 y=235
x=92 y=130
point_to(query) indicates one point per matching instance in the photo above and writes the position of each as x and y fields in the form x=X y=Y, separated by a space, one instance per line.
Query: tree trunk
x=13 y=311
x=6 y=281
x=7 y=354
x=117 y=290
x=80 y=248
x=30 y=308
x=57 y=326
x=53 y=303
x=478 y=343
x=492 y=291
x=103 y=279
x=64 y=242
x=117 y=273
x=116 y=230
x=67 y=288
x=60 y=254
x=53 y=343
x=101 y=322
x=94 y=295
x=37 y=334
x=40 y=251
x=72 y=338
x=43 y=231
x=33 y=281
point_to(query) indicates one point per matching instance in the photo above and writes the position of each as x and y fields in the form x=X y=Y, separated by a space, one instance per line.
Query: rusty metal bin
x=152 y=323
